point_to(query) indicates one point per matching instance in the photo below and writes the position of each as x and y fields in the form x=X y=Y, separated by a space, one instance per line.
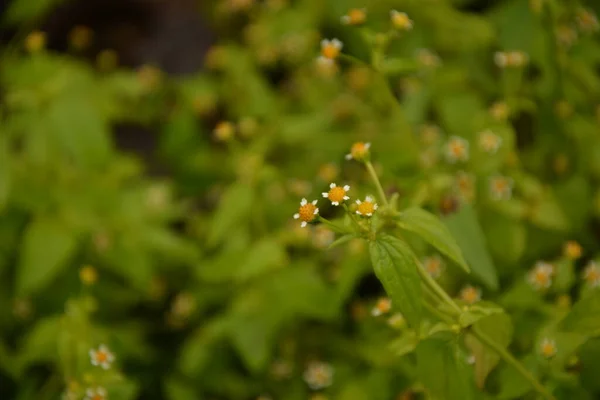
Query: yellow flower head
x=499 y=111
x=433 y=265
x=401 y=20
x=587 y=21
x=591 y=274
x=457 y=149
x=572 y=250
x=307 y=212
x=489 y=141
x=97 y=393
x=88 y=275
x=470 y=294
x=501 y=187
x=80 y=37
x=331 y=48
x=359 y=151
x=383 y=306
x=366 y=208
x=35 y=41
x=337 y=194
x=355 y=16
x=318 y=375
x=548 y=348
x=224 y=131
x=101 y=356
x=540 y=276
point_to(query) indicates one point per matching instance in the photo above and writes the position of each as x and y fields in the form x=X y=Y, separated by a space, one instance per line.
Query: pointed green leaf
x=442 y=368
x=395 y=266
x=497 y=327
x=233 y=208
x=432 y=230
x=343 y=239
x=465 y=228
x=583 y=317
x=47 y=245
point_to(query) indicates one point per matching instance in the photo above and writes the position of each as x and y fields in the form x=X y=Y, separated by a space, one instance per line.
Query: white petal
x=303 y=202
x=369 y=199
x=90 y=392
x=335 y=203
x=347 y=187
x=316 y=211
x=367 y=145
x=314 y=202
x=105 y=365
x=324 y=42
x=337 y=43
x=101 y=391
x=348 y=156
x=332 y=185
x=325 y=194
x=345 y=19
x=358 y=212
x=375 y=206
x=369 y=214
x=358 y=202
x=346 y=197
x=296 y=216
x=303 y=224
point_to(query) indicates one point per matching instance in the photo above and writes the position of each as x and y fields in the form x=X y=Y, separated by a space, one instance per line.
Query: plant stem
x=510 y=359
x=438 y=290
x=336 y=228
x=353 y=218
x=376 y=181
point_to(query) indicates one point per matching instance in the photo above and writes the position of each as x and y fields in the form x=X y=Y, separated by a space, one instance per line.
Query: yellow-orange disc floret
x=401 y=20
x=548 y=348
x=355 y=16
x=366 y=208
x=489 y=141
x=307 y=212
x=457 y=149
x=359 y=151
x=336 y=194
x=383 y=306
x=470 y=294
x=433 y=265
x=331 y=48
x=540 y=277
x=501 y=187
x=98 y=393
x=101 y=357
x=572 y=250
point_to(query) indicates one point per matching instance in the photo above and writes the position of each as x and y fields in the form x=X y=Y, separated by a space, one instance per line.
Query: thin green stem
x=510 y=359
x=438 y=290
x=376 y=181
x=438 y=313
x=354 y=219
x=335 y=227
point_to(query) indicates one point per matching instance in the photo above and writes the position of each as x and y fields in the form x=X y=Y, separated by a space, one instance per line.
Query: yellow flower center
x=541 y=276
x=592 y=275
x=97 y=397
x=366 y=208
x=499 y=111
x=359 y=150
x=548 y=349
x=101 y=356
x=500 y=185
x=401 y=21
x=433 y=266
x=356 y=16
x=469 y=295
x=330 y=51
x=384 y=305
x=88 y=275
x=307 y=212
x=35 y=41
x=457 y=148
x=572 y=250
x=336 y=194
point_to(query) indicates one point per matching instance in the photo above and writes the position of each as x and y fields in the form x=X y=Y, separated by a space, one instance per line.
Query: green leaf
x=4 y=170
x=234 y=207
x=79 y=129
x=442 y=368
x=46 y=247
x=583 y=317
x=177 y=389
x=512 y=383
x=40 y=344
x=497 y=327
x=476 y=312
x=433 y=231
x=547 y=214
x=470 y=237
x=405 y=344
x=395 y=266
x=265 y=255
x=27 y=10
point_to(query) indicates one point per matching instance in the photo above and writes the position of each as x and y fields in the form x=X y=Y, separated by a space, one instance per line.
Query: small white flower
x=318 y=375
x=501 y=187
x=359 y=151
x=457 y=149
x=355 y=16
x=337 y=194
x=400 y=20
x=331 y=48
x=540 y=276
x=548 y=348
x=98 y=393
x=101 y=357
x=307 y=212
x=367 y=207
x=489 y=141
x=591 y=274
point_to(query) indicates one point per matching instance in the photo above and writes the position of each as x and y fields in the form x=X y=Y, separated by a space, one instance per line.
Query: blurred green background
x=152 y=154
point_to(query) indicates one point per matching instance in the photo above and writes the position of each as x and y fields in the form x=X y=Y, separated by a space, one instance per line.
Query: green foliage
x=186 y=263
